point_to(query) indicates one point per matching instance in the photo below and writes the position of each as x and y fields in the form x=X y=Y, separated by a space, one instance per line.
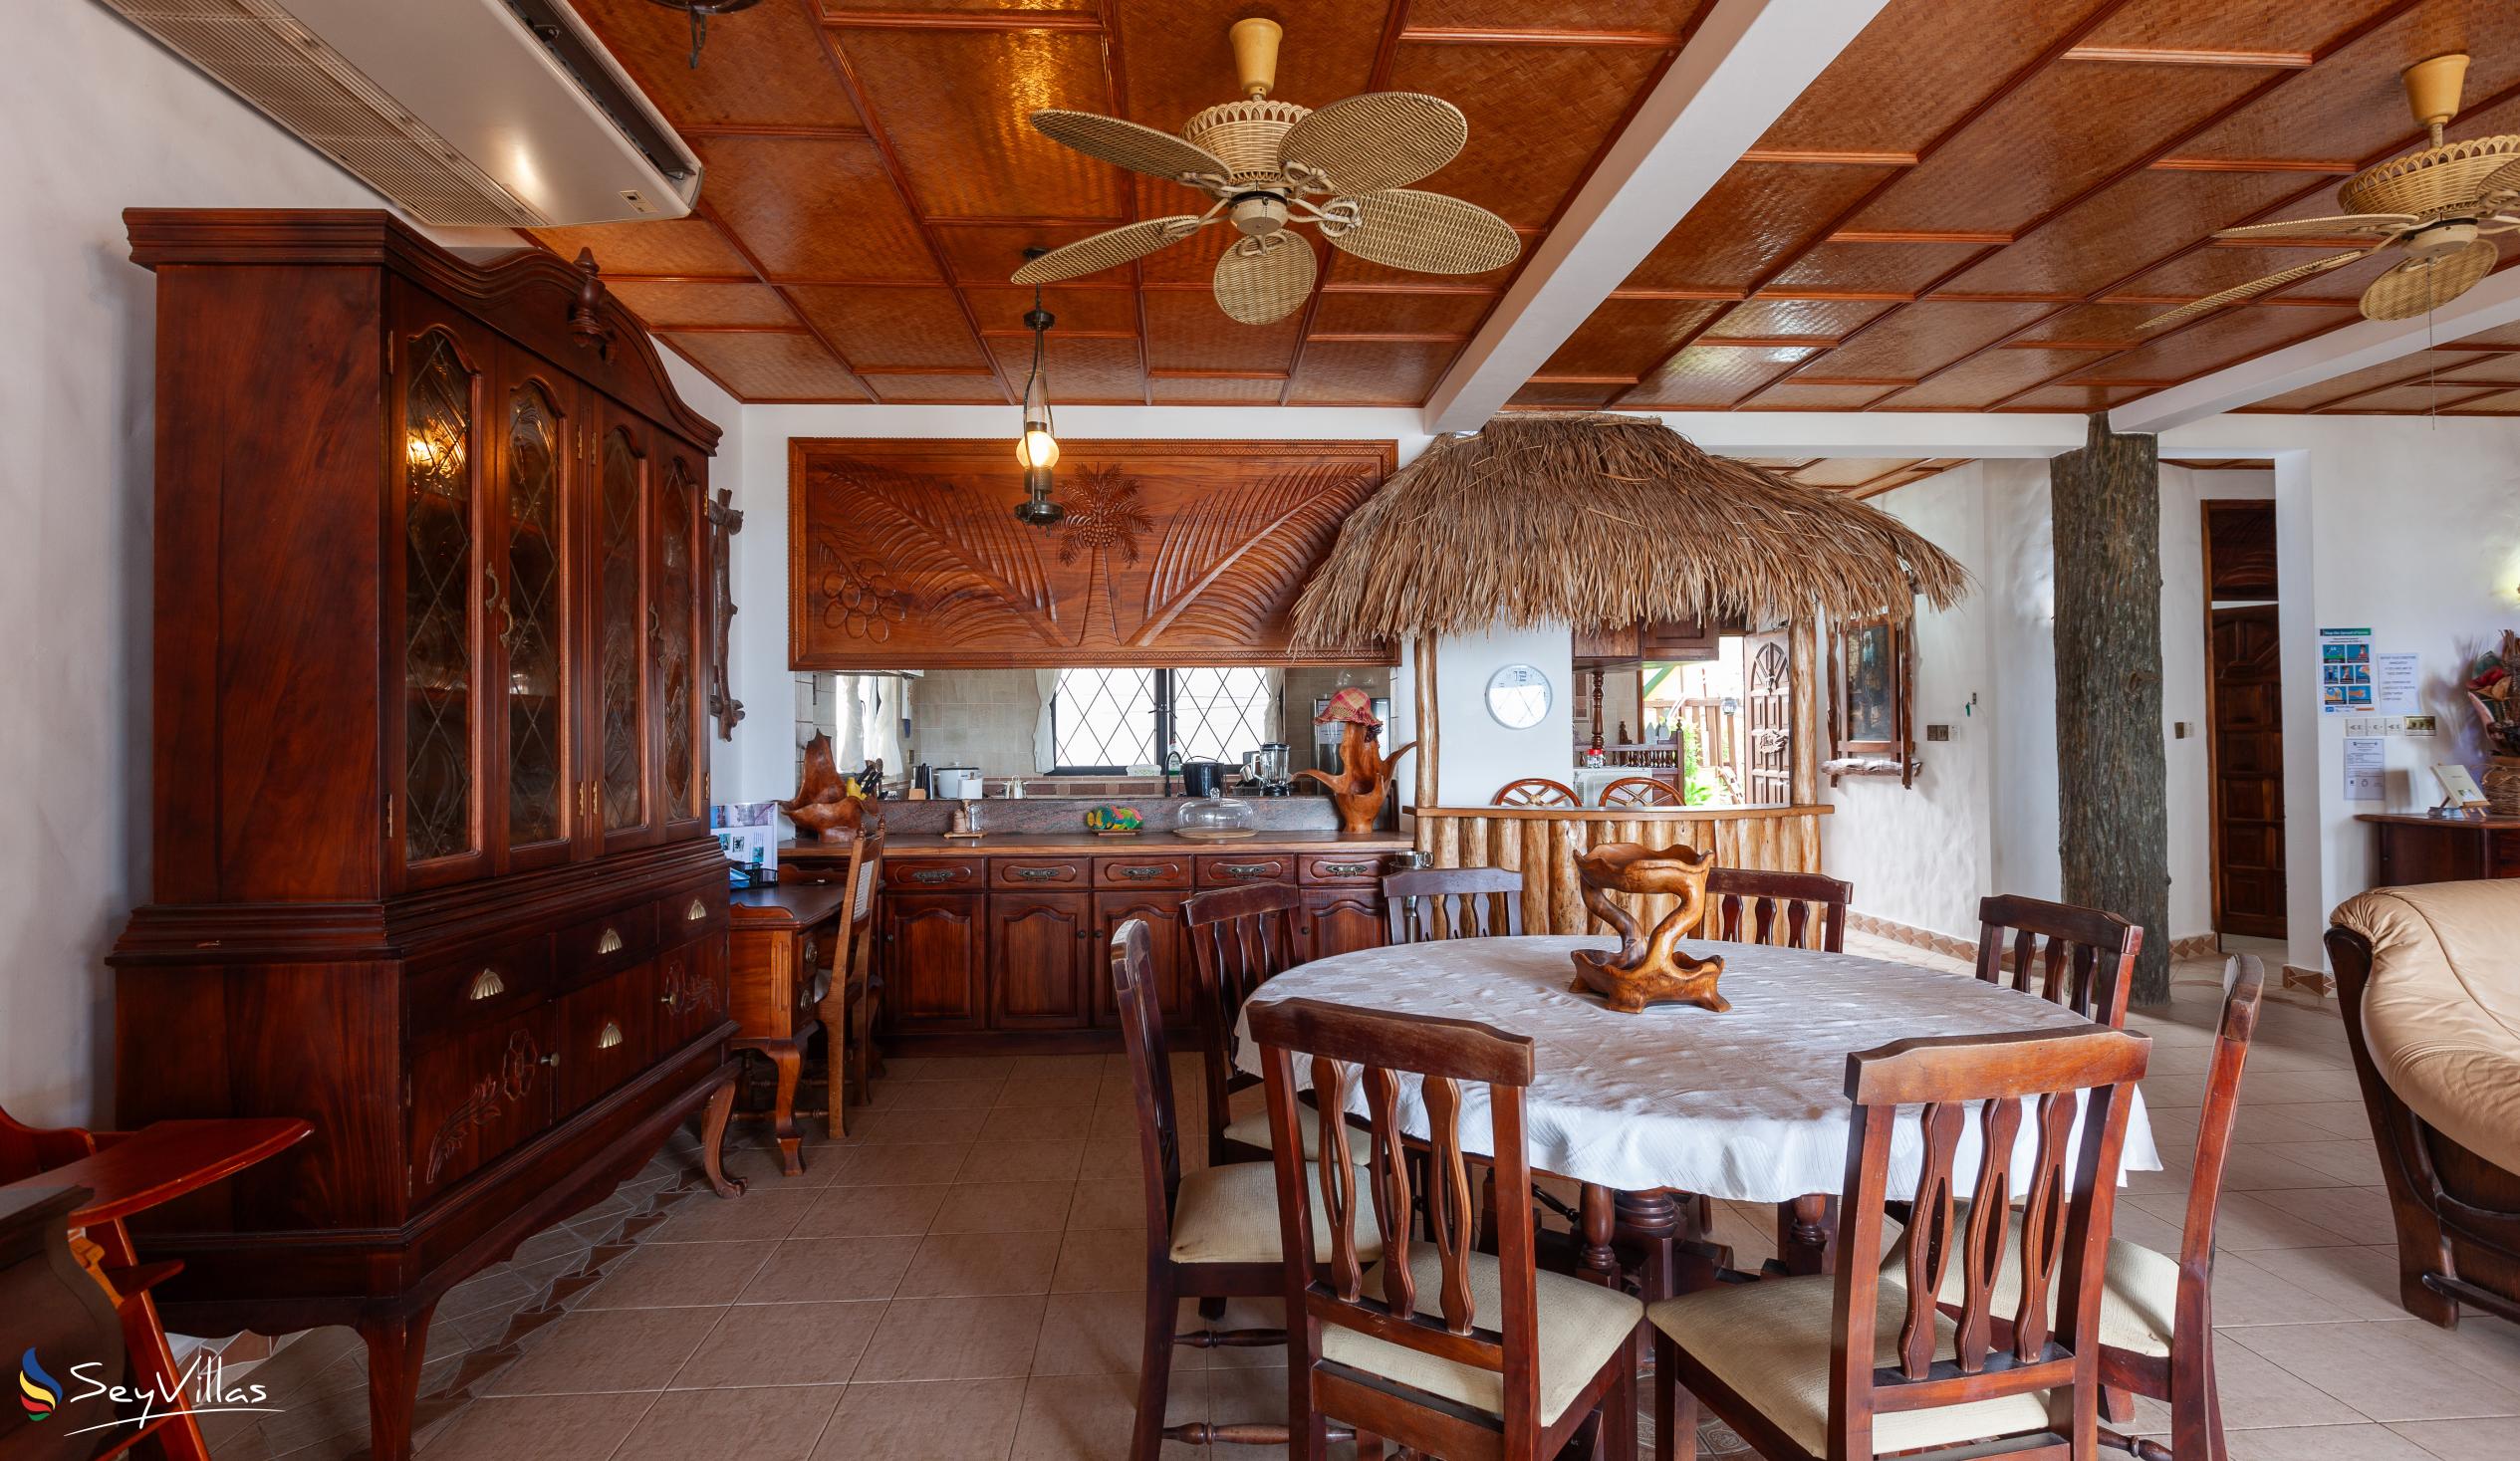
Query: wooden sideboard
x=779 y=939
x=2417 y=848
x=430 y=859
x=1003 y=945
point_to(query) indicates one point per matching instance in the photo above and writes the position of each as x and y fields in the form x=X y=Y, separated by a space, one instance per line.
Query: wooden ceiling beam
x=702 y=209
x=1737 y=73
x=2335 y=166
x=1457 y=35
x=955 y=20
x=1801 y=158
x=2168 y=56
x=1919 y=236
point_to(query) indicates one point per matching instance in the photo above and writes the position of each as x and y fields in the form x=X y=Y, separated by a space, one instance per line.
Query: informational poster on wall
x=2345 y=672
x=2396 y=680
x=2366 y=768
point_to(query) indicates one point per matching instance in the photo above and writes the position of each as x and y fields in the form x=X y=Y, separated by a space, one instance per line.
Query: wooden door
x=621 y=734
x=2245 y=719
x=1168 y=942
x=934 y=945
x=1340 y=920
x=1036 y=963
x=676 y=617
x=436 y=738
x=532 y=642
x=1767 y=703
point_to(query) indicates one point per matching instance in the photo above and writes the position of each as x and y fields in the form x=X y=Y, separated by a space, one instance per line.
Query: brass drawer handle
x=936 y=874
x=552 y=1061
x=671 y=1001
x=811 y=957
x=611 y=1037
x=1143 y=872
x=697 y=911
x=1247 y=869
x=1348 y=869
x=486 y=985
x=609 y=943
x=1040 y=874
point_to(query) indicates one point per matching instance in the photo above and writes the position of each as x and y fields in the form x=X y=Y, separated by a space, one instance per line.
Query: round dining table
x=1748 y=1105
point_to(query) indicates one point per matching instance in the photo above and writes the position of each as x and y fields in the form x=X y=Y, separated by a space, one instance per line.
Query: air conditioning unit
x=482 y=113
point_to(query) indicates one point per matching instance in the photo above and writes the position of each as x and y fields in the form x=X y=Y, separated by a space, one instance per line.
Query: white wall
x=1479 y=753
x=108 y=121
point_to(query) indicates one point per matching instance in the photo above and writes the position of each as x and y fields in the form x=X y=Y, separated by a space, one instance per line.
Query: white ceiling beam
x=1879 y=433
x=1747 y=63
x=2368 y=342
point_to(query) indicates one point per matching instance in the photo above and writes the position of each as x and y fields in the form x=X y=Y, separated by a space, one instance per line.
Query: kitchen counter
x=1085 y=843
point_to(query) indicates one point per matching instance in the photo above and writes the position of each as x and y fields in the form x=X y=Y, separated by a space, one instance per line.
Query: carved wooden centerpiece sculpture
x=827 y=806
x=1364 y=772
x=1646 y=970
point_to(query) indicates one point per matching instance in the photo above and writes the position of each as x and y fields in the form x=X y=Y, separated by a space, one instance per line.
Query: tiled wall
x=976 y=717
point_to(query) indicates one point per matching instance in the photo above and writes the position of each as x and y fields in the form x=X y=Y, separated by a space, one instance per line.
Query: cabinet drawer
x=604 y=1034
x=1224 y=869
x=684 y=916
x=475 y=1094
x=692 y=993
x=598 y=946
x=1342 y=867
x=928 y=874
x=1141 y=873
x=489 y=981
x=1037 y=873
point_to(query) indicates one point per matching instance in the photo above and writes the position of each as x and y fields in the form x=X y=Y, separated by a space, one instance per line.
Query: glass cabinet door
x=531 y=620
x=677 y=639
x=440 y=568
x=623 y=634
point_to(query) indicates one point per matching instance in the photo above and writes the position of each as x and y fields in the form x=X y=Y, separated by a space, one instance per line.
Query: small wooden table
x=777 y=940
x=2414 y=849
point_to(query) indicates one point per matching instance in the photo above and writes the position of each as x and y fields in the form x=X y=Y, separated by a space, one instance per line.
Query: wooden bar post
x=2113 y=816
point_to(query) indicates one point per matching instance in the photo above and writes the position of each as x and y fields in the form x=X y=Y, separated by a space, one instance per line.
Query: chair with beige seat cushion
x=1211 y=1234
x=1997 y=1113
x=2430 y=983
x=1444 y=1350
x=2156 y=1326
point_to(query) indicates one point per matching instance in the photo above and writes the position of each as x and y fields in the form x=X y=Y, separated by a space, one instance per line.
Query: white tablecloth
x=1749 y=1105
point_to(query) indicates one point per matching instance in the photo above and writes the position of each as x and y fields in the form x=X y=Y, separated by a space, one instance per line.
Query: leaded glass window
x=437 y=579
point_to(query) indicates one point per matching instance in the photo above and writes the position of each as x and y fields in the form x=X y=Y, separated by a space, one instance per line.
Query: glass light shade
x=1038 y=448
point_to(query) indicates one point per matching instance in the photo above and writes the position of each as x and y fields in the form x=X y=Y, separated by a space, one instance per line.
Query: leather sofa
x=2430 y=978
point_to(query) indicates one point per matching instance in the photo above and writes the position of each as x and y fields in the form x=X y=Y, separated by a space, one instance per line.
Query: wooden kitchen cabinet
x=934 y=953
x=1167 y=943
x=1040 y=946
x=1340 y=920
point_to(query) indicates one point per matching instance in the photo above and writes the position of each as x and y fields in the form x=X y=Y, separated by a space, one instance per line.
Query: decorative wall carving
x=908 y=553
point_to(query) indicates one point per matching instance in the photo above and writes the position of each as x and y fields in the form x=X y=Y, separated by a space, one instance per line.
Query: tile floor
x=958 y=1280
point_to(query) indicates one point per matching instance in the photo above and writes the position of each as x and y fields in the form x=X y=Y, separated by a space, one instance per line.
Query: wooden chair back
x=1347 y=1050
x=1140 y=1014
x=1536 y=791
x=1431 y=904
x=2244 y=986
x=1240 y=938
x=1802 y=910
x=1642 y=791
x=2086 y=962
x=1973 y=1090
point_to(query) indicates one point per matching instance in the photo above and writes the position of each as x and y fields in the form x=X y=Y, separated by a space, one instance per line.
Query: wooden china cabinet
x=430 y=859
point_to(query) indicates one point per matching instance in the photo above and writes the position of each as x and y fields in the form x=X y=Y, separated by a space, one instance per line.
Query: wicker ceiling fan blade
x=1104 y=250
x=2255 y=287
x=1137 y=149
x=2420 y=285
x=1426 y=233
x=1264 y=279
x=2501 y=187
x=2337 y=227
x=1381 y=139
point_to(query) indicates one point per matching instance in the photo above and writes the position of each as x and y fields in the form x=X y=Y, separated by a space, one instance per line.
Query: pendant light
x=1038 y=448
x=699 y=12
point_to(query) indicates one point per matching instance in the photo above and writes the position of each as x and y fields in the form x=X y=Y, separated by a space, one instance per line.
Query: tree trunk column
x=2113 y=821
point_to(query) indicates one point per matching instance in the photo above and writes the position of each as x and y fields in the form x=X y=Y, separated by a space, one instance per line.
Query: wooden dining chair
x=1240 y=938
x=1866 y=1362
x=865 y=982
x=1536 y=791
x=2087 y=961
x=1448 y=1351
x=1642 y=791
x=1430 y=903
x=2156 y=1326
x=1802 y=910
x=1211 y=1234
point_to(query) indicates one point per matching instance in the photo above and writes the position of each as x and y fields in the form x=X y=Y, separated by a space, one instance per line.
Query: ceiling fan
x=1266 y=162
x=2434 y=206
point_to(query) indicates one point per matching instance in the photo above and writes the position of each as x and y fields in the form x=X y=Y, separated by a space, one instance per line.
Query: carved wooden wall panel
x=907 y=555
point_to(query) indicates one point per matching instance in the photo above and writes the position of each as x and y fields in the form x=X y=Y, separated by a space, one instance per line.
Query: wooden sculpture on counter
x=827 y=806
x=1364 y=772
x=1645 y=970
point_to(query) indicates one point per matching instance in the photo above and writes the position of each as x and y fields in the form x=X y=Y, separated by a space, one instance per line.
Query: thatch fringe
x=1605 y=520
